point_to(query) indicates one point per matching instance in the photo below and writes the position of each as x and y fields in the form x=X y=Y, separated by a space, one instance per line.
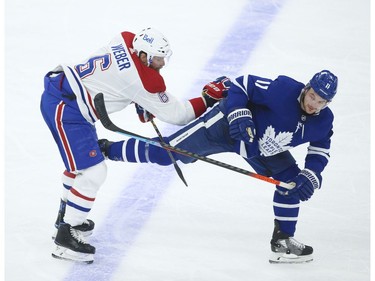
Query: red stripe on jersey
x=63 y=138
x=69 y=175
x=61 y=81
x=76 y=193
x=92 y=105
x=151 y=79
x=198 y=105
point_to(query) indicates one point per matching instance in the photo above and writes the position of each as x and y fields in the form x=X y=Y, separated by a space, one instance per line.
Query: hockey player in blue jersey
x=261 y=119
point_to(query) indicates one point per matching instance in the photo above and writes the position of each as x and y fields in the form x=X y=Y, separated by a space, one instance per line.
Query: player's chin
x=310 y=110
x=157 y=68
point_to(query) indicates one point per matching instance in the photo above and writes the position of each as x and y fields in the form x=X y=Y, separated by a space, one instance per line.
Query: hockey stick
x=107 y=123
x=176 y=167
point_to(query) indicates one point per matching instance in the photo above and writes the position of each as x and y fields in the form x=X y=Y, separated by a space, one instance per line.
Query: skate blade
x=69 y=255
x=290 y=258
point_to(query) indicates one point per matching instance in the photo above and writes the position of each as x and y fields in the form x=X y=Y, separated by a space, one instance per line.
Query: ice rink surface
x=149 y=226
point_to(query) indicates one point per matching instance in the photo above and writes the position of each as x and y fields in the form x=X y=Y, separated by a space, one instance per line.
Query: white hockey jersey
x=117 y=72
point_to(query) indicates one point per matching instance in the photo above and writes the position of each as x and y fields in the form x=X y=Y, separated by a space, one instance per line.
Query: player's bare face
x=157 y=63
x=312 y=102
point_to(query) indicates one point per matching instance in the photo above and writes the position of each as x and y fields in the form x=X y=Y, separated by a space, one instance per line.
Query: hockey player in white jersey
x=126 y=71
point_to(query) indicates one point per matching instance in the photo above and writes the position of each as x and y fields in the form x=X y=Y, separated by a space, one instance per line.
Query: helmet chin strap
x=149 y=59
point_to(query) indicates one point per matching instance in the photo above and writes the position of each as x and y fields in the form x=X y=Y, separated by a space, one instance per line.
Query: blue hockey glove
x=241 y=125
x=306 y=182
x=216 y=90
x=144 y=115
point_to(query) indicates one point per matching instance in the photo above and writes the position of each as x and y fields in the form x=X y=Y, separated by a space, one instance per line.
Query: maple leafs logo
x=271 y=144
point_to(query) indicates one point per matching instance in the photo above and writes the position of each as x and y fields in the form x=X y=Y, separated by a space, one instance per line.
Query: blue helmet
x=324 y=83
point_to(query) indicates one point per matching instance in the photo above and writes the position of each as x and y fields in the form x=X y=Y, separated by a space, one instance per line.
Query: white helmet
x=153 y=43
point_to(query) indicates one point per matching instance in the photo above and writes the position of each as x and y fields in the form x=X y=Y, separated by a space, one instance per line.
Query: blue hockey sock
x=135 y=151
x=286 y=212
x=131 y=150
x=115 y=151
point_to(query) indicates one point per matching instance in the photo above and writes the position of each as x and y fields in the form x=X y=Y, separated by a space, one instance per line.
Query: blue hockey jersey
x=280 y=125
x=280 y=122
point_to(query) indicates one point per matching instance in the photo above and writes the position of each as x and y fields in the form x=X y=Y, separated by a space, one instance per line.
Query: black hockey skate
x=286 y=249
x=104 y=145
x=86 y=227
x=71 y=245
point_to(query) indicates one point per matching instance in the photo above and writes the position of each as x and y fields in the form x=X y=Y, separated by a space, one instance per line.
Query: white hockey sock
x=81 y=196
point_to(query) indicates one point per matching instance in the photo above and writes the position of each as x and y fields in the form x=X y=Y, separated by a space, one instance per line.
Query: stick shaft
x=108 y=124
x=176 y=167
